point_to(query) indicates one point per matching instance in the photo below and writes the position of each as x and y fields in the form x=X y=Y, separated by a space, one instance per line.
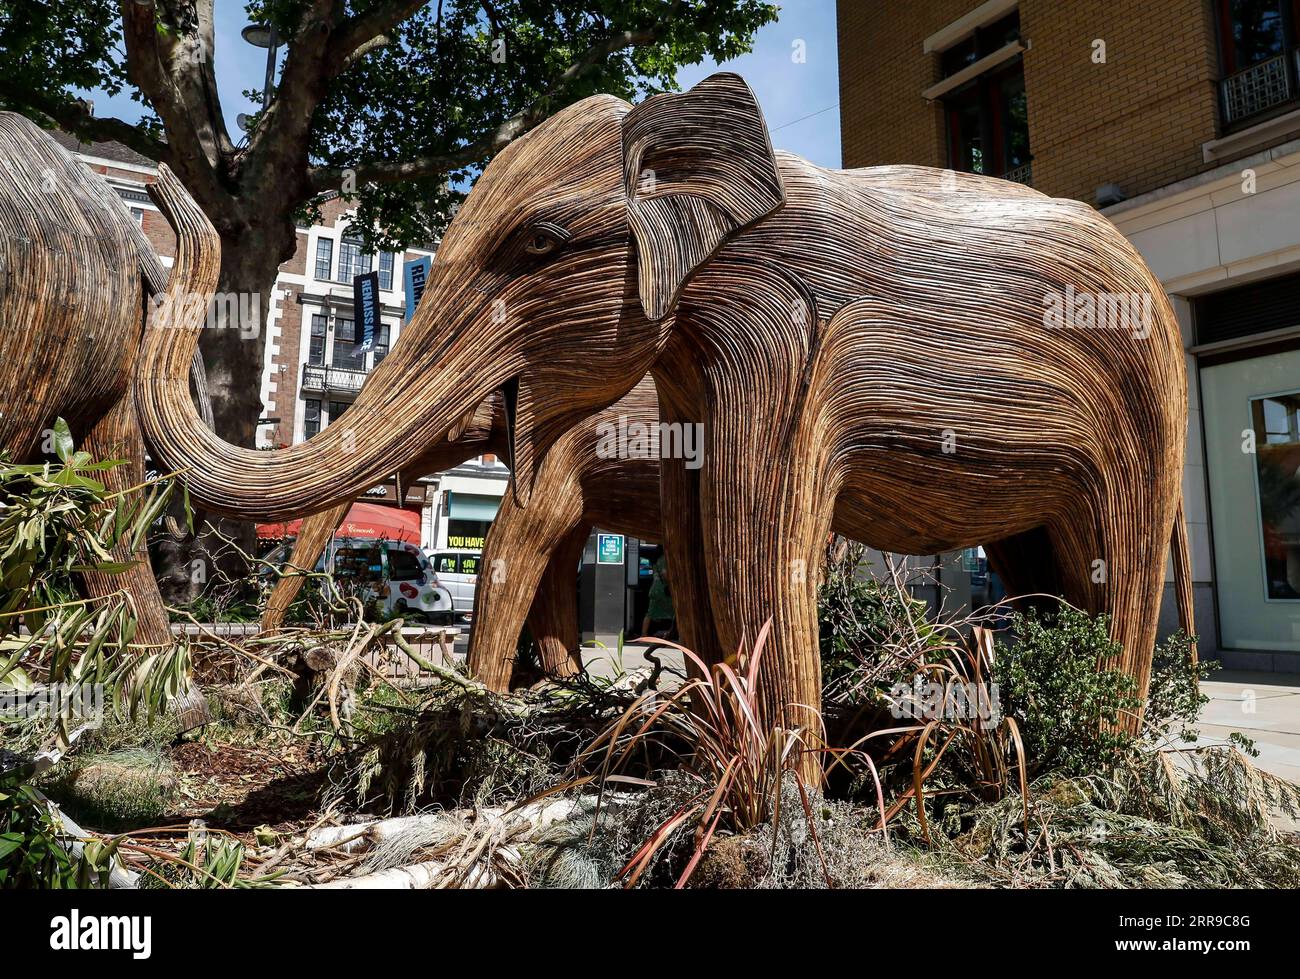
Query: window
x=1252 y=31
x=324 y=257
x=381 y=342
x=446 y=564
x=346 y=354
x=138 y=214
x=337 y=408
x=311 y=418
x=316 y=349
x=1256 y=47
x=352 y=260
x=1277 y=469
x=385 y=270
x=981 y=44
x=988 y=125
x=404 y=566
x=988 y=118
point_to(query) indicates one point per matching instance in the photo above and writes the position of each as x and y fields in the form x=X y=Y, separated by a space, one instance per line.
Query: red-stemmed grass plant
x=738 y=766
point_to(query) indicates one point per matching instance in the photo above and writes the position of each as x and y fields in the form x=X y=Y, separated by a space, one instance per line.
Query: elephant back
x=71 y=297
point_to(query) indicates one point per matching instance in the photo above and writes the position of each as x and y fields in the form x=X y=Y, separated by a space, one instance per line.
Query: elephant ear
x=697 y=168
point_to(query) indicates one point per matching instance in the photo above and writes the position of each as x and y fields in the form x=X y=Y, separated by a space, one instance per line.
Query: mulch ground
x=240 y=787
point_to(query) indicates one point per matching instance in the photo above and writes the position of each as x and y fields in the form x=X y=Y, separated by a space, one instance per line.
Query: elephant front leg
x=684 y=547
x=515 y=554
x=117 y=436
x=767 y=503
x=553 y=619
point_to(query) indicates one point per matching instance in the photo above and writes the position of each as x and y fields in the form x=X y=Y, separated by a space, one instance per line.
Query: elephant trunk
x=401 y=407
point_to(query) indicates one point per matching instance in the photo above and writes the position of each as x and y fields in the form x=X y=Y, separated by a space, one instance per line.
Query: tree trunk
x=234 y=351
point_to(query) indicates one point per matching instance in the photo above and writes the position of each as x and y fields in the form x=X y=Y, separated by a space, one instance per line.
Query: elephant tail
x=1178 y=547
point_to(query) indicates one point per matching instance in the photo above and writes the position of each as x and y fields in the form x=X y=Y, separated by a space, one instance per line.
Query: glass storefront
x=1251 y=411
x=1277 y=471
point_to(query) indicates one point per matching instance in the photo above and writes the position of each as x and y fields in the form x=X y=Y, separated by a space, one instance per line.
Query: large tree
x=395 y=103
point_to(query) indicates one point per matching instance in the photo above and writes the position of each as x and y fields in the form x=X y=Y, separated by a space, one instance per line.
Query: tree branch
x=75 y=117
x=357 y=36
x=173 y=69
x=327 y=178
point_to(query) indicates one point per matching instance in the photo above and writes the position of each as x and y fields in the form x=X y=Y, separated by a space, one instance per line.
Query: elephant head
x=554 y=284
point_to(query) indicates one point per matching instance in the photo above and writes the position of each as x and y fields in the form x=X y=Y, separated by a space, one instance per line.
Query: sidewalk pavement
x=1265 y=707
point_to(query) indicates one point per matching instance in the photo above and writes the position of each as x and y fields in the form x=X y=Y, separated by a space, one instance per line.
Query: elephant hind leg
x=1111 y=557
x=1026 y=563
x=117 y=436
x=553 y=618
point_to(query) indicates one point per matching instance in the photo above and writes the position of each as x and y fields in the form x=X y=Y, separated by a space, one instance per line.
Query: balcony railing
x=1259 y=88
x=320 y=377
x=1020 y=175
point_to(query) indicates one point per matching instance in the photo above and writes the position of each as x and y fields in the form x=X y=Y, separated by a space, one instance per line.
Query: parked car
x=395 y=578
x=458 y=572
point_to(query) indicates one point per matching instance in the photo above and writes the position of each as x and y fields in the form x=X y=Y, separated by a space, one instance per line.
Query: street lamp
x=264 y=36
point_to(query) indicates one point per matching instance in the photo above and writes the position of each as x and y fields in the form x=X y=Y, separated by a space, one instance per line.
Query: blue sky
x=800 y=100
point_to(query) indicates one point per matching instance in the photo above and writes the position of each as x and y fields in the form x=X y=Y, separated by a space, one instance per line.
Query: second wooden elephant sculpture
x=531 y=555
x=76 y=276
x=905 y=353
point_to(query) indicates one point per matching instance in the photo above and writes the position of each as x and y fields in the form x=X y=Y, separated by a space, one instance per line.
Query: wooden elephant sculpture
x=927 y=360
x=531 y=554
x=76 y=275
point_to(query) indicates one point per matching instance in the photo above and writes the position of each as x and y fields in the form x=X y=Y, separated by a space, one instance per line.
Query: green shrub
x=1059 y=682
x=872 y=632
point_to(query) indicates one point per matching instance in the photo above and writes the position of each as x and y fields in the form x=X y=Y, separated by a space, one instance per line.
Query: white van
x=397 y=578
x=457 y=571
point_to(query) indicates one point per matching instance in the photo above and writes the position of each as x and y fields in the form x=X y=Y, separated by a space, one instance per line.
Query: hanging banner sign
x=415 y=274
x=365 y=304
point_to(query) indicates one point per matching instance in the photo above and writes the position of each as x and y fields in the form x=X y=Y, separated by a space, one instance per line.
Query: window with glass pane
x=316 y=349
x=385 y=270
x=1277 y=468
x=1254 y=31
x=352 y=260
x=988 y=124
x=337 y=408
x=346 y=354
x=324 y=257
x=381 y=342
x=311 y=417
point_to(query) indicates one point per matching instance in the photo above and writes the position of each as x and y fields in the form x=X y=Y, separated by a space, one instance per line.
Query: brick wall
x=883 y=118
x=1137 y=120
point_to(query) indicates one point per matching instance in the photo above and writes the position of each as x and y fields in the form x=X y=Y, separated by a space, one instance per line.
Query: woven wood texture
x=867 y=349
x=530 y=559
x=75 y=270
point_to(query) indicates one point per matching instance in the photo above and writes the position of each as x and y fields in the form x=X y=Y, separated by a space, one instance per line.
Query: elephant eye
x=546 y=239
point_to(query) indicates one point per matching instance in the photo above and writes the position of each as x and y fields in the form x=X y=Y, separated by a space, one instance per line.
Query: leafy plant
x=1058 y=682
x=871 y=630
x=31 y=854
x=57 y=520
x=961 y=741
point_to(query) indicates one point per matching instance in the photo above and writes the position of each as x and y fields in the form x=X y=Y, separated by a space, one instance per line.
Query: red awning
x=368 y=520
